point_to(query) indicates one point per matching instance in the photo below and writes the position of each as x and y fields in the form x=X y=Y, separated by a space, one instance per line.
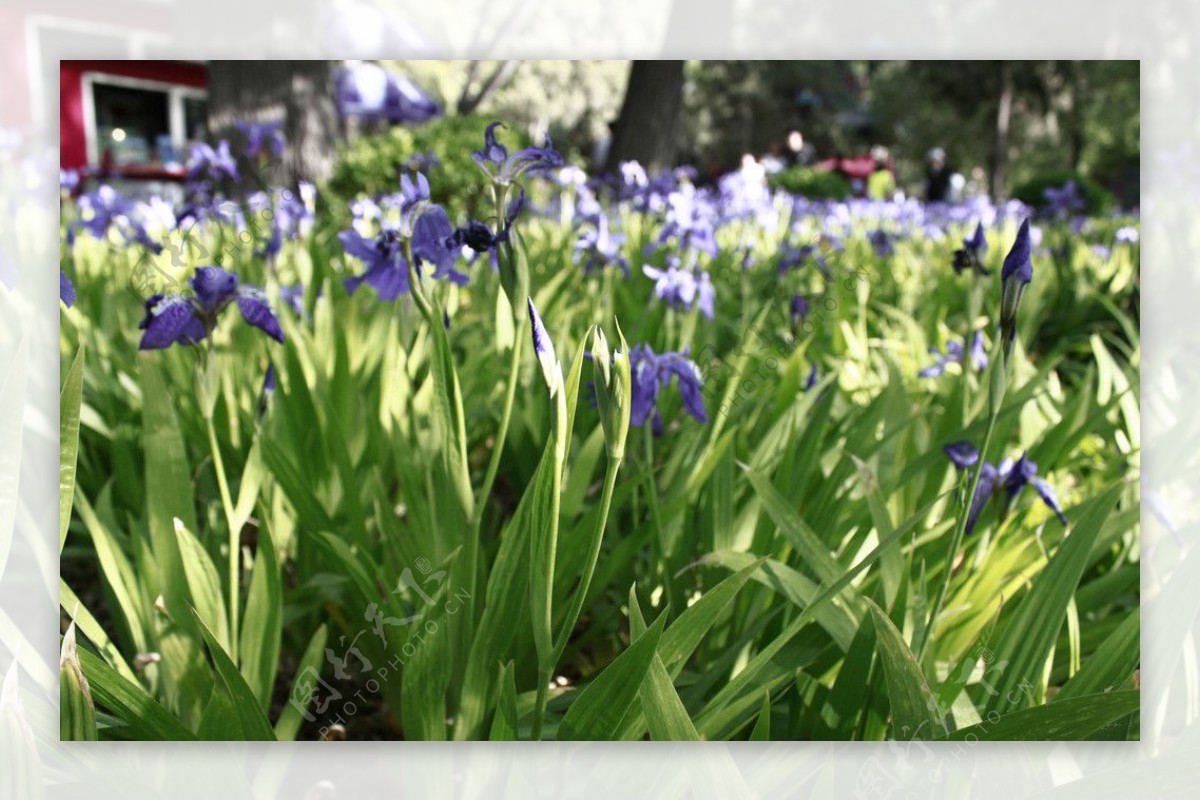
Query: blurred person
x=881 y=183
x=958 y=186
x=800 y=152
x=937 y=176
x=773 y=161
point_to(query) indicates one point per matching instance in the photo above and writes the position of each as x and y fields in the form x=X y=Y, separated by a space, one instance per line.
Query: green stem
x=234 y=538
x=514 y=368
x=957 y=538
x=546 y=669
x=652 y=502
x=585 y=582
x=539 y=713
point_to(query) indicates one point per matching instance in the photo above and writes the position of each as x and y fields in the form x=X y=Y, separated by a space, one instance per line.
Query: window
x=132 y=122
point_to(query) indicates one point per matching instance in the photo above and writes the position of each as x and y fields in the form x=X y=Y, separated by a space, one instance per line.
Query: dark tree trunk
x=299 y=92
x=999 y=172
x=648 y=127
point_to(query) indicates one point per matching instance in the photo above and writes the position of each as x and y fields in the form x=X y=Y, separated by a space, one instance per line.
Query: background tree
x=299 y=92
x=648 y=127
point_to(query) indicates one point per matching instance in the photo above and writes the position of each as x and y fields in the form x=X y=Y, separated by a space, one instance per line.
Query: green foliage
x=1098 y=201
x=765 y=574
x=812 y=183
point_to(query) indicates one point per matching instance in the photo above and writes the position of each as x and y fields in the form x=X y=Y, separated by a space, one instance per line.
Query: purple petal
x=214 y=288
x=963 y=454
x=169 y=320
x=252 y=303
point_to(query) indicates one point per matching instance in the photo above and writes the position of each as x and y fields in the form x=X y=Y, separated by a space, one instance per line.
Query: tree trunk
x=648 y=125
x=999 y=172
x=300 y=92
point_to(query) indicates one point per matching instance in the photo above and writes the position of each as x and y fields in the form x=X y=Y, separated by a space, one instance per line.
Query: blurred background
x=939 y=130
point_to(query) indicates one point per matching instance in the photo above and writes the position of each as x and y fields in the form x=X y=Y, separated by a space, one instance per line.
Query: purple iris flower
x=799 y=309
x=970 y=255
x=503 y=168
x=407 y=102
x=383 y=256
x=1016 y=274
x=262 y=137
x=188 y=319
x=212 y=164
x=431 y=244
x=293 y=298
x=651 y=373
x=1010 y=476
x=66 y=290
x=882 y=241
x=791 y=258
x=954 y=353
x=1017 y=264
x=691 y=222
x=683 y=289
x=1063 y=200
x=598 y=247
x=369 y=91
x=106 y=209
x=963 y=454
x=479 y=236
x=425 y=225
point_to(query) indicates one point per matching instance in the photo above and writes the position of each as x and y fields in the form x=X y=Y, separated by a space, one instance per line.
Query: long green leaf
x=143 y=717
x=303 y=687
x=914 y=708
x=504 y=724
x=69 y=403
x=1073 y=719
x=249 y=713
x=1112 y=664
x=598 y=711
x=262 y=623
x=1031 y=631
x=667 y=717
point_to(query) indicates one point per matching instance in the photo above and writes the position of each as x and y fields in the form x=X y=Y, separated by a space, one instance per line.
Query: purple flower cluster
x=652 y=372
x=953 y=354
x=369 y=91
x=262 y=137
x=106 y=210
x=503 y=168
x=597 y=247
x=683 y=289
x=424 y=225
x=189 y=319
x=1009 y=477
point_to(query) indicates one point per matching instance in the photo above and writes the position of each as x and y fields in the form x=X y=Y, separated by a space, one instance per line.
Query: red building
x=130 y=118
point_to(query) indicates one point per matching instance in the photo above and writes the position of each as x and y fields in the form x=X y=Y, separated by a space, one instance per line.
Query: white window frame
x=175 y=93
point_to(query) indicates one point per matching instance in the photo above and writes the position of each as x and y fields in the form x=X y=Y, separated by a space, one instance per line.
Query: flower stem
x=539 y=712
x=959 y=531
x=234 y=538
x=489 y=478
x=579 y=598
x=585 y=581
